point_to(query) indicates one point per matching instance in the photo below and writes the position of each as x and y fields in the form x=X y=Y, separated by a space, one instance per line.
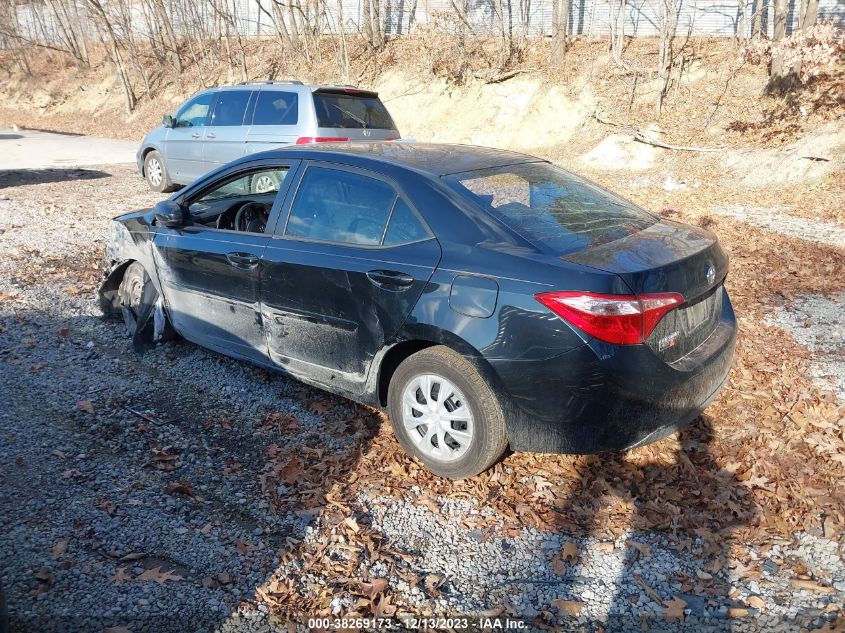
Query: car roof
x=432 y=159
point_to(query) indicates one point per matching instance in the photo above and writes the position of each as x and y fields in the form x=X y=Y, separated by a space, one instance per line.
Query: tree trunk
x=560 y=29
x=617 y=30
x=808 y=15
x=782 y=78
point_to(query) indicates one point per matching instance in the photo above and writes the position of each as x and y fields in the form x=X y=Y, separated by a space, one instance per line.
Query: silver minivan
x=221 y=124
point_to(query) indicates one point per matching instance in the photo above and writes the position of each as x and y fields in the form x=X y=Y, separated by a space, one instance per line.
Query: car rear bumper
x=608 y=398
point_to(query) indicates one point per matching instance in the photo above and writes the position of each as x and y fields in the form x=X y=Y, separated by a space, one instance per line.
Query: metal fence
x=714 y=18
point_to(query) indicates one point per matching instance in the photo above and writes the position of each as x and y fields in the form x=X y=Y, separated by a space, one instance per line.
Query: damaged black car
x=486 y=299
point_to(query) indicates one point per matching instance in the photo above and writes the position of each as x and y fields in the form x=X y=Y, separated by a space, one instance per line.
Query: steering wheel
x=252 y=218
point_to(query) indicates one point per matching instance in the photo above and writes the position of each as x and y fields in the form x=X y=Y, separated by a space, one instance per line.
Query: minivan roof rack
x=265 y=81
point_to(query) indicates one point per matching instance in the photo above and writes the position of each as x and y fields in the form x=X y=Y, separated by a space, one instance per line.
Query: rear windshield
x=351 y=111
x=551 y=207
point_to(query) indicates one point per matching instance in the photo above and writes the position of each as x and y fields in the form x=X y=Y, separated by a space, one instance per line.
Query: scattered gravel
x=793 y=226
x=818 y=323
x=115 y=466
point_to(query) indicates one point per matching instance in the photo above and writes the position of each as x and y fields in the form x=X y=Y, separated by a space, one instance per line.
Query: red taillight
x=302 y=140
x=617 y=319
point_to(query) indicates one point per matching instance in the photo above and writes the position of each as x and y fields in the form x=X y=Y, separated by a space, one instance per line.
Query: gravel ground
x=781 y=222
x=818 y=323
x=118 y=470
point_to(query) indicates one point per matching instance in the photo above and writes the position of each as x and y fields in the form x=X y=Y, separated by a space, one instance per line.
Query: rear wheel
x=446 y=414
x=156 y=174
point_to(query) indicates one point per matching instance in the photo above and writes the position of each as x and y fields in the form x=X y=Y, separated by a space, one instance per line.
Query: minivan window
x=351 y=111
x=230 y=107
x=551 y=207
x=335 y=205
x=276 y=108
x=195 y=112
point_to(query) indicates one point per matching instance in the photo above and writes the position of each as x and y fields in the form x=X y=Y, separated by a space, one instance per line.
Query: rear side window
x=351 y=111
x=230 y=107
x=404 y=227
x=333 y=205
x=276 y=108
x=551 y=207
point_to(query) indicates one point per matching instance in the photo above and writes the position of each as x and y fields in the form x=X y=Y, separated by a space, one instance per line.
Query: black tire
x=155 y=173
x=130 y=291
x=489 y=437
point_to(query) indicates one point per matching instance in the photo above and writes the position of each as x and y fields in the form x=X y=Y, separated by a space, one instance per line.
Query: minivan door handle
x=195 y=135
x=244 y=261
x=211 y=135
x=390 y=279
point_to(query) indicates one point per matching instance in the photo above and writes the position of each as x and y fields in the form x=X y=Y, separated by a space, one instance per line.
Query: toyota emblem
x=711 y=274
x=366 y=132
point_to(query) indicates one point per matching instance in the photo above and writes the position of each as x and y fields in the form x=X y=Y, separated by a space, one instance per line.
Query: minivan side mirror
x=167 y=120
x=169 y=213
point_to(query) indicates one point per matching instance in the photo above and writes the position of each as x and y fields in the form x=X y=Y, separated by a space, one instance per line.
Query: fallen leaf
x=120 y=576
x=292 y=472
x=737 y=612
x=58 y=454
x=243 y=548
x=353 y=525
x=85 y=405
x=375 y=586
x=570 y=551
x=132 y=556
x=809 y=585
x=569 y=607
x=116 y=629
x=703 y=575
x=756 y=602
x=674 y=609
x=156 y=575
x=224 y=578
x=59 y=549
x=180 y=488
x=642 y=548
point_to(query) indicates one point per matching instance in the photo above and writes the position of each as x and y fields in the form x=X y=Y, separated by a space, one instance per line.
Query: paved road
x=31 y=149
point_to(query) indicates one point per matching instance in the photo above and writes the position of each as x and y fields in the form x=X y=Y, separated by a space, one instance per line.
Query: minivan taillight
x=303 y=140
x=617 y=319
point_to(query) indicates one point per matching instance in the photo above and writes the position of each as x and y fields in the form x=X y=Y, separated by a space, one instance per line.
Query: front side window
x=550 y=206
x=276 y=108
x=230 y=107
x=334 y=205
x=195 y=112
x=240 y=203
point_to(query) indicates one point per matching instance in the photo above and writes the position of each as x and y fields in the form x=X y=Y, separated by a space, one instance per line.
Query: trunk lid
x=669 y=257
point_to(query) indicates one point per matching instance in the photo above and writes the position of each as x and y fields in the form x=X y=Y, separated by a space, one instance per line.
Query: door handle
x=390 y=279
x=195 y=135
x=211 y=135
x=244 y=261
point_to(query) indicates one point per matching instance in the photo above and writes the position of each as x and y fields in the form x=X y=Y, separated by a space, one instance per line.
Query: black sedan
x=485 y=298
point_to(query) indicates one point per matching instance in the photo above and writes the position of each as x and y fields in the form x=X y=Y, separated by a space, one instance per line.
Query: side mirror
x=167 y=120
x=169 y=213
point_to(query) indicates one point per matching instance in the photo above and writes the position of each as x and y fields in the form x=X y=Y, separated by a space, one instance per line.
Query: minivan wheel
x=445 y=413
x=156 y=173
x=263 y=183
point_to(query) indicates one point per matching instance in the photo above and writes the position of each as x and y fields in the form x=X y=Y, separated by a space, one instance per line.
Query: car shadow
x=680 y=505
x=21 y=177
x=10 y=137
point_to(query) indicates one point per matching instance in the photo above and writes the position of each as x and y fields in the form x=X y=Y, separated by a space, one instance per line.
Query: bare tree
x=104 y=23
x=560 y=29
x=666 y=57
x=617 y=29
